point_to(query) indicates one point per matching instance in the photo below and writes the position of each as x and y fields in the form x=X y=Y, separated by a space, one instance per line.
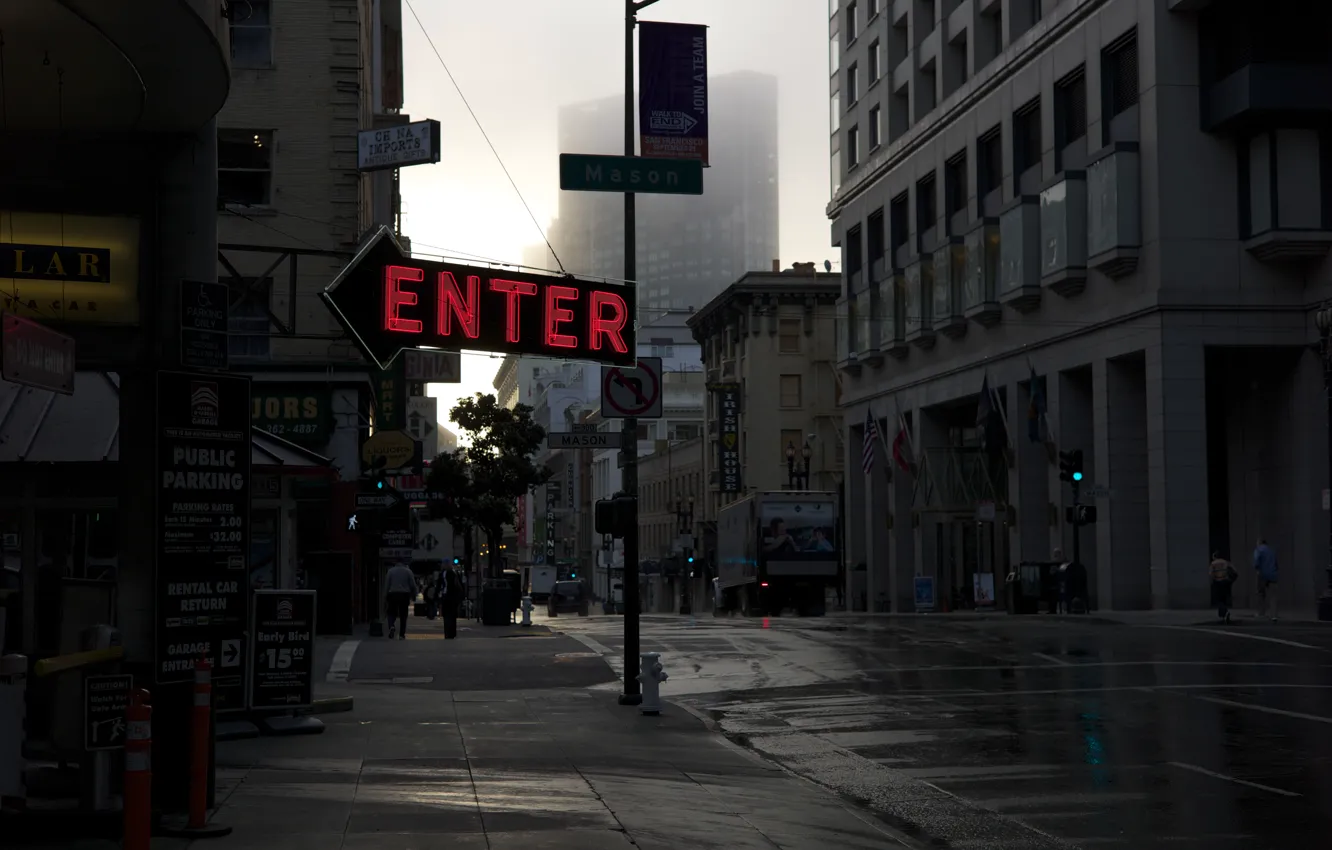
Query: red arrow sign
x=388 y=301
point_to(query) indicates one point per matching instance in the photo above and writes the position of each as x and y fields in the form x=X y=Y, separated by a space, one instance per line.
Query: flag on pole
x=899 y=449
x=867 y=447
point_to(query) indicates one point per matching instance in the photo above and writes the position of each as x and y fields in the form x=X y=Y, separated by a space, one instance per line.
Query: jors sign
x=388 y=301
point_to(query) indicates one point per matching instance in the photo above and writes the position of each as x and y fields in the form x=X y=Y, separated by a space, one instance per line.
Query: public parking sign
x=632 y=391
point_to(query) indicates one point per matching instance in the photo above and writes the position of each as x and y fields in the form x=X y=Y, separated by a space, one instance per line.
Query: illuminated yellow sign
x=70 y=268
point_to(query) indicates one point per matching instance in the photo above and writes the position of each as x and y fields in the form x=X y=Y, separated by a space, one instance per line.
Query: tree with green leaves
x=483 y=480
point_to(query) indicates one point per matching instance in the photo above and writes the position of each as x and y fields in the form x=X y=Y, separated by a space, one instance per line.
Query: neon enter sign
x=388 y=302
x=582 y=172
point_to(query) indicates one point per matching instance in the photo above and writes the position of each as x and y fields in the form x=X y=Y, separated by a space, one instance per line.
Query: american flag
x=867 y=449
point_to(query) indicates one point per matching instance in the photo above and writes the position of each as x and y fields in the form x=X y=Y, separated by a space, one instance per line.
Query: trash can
x=495 y=610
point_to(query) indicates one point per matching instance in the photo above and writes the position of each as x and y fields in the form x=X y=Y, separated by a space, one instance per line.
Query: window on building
x=835 y=167
x=1027 y=137
x=853 y=147
x=248 y=322
x=899 y=229
x=927 y=205
x=252 y=34
x=875 y=61
x=852 y=84
x=851 y=25
x=1119 y=73
x=791 y=438
x=874 y=237
x=836 y=117
x=790 y=395
x=872 y=8
x=834 y=54
x=245 y=167
x=875 y=128
x=955 y=184
x=990 y=170
x=788 y=336
x=1070 y=113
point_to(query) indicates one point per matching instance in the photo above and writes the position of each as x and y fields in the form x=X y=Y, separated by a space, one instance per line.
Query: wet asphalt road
x=1003 y=733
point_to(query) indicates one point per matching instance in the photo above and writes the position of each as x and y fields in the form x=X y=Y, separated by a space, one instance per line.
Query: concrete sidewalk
x=540 y=769
x=516 y=766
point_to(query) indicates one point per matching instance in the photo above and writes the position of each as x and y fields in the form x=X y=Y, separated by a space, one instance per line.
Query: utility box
x=13 y=696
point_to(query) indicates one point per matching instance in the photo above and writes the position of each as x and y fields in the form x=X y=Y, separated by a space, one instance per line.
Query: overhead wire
x=484 y=135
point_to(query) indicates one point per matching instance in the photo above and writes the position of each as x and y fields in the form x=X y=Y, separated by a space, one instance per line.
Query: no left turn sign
x=632 y=391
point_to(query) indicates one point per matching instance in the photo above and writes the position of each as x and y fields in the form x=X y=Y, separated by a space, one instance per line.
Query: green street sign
x=584 y=172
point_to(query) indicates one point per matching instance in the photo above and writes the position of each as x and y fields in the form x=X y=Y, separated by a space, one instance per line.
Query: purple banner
x=673 y=91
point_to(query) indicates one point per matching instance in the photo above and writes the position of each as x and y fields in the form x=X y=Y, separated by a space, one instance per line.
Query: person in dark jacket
x=451 y=598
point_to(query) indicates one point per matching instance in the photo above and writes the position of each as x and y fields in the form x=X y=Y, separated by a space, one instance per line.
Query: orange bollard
x=203 y=698
x=138 y=772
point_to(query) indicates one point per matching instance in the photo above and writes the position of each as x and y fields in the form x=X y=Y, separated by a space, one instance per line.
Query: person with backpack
x=451 y=598
x=1223 y=582
x=1265 y=564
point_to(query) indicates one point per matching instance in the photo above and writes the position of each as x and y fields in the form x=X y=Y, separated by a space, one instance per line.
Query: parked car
x=567 y=597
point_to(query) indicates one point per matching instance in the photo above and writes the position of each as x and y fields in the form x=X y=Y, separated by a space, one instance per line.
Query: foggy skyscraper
x=689 y=247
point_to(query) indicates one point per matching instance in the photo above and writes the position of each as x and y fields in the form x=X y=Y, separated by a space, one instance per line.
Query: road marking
x=1089 y=665
x=342 y=661
x=1205 y=772
x=1056 y=661
x=1229 y=633
x=591 y=643
x=976 y=692
x=1296 y=714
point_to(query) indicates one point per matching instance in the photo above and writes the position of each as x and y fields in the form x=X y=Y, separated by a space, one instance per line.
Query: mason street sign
x=583 y=172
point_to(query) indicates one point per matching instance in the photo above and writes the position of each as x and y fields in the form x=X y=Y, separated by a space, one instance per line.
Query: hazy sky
x=517 y=62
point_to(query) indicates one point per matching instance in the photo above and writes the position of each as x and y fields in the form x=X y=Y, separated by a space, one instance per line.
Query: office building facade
x=1114 y=218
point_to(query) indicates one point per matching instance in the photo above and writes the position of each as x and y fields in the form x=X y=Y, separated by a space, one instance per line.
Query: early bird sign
x=387 y=301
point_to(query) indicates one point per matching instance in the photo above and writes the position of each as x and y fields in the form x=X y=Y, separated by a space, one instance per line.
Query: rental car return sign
x=387 y=301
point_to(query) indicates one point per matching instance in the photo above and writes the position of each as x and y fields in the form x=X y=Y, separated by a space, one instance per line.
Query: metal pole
x=629 y=439
x=1325 y=601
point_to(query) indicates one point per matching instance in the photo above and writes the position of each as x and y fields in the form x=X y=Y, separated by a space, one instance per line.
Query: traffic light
x=1070 y=466
x=615 y=516
x=457 y=561
x=691 y=559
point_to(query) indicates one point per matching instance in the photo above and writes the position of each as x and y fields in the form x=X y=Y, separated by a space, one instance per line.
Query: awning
x=39 y=426
x=270 y=454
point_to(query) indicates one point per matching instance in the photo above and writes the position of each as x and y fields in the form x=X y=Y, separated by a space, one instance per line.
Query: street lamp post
x=684 y=515
x=797 y=471
x=1323 y=318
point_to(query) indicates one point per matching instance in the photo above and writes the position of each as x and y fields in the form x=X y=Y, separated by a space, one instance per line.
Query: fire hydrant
x=651 y=675
x=527 y=611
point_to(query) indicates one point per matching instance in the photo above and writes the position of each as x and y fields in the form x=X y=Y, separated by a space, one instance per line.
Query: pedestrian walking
x=451 y=599
x=1223 y=583
x=1265 y=564
x=400 y=591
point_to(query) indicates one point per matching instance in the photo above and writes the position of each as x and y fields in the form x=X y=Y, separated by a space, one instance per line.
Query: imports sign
x=35 y=356
x=70 y=268
x=395 y=147
x=728 y=430
x=296 y=412
x=673 y=90
x=203 y=533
